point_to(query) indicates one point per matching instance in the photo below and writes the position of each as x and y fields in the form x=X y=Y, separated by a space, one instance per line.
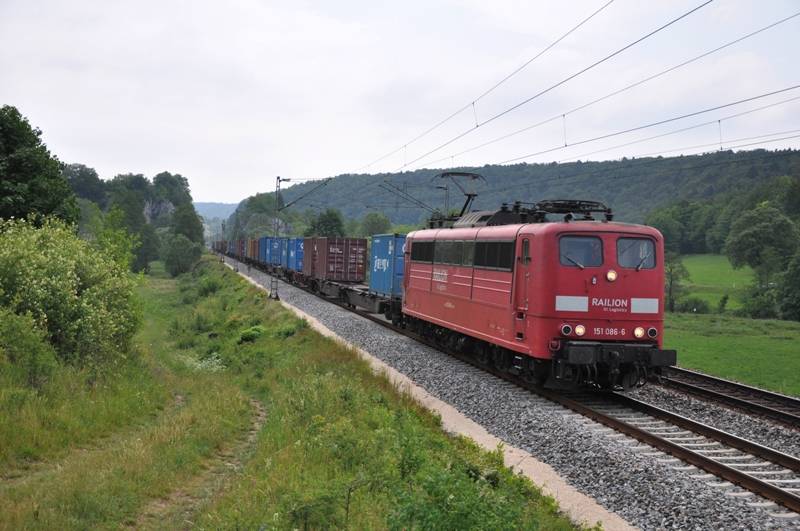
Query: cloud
x=232 y=94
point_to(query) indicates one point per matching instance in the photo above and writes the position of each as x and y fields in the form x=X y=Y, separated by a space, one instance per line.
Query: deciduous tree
x=31 y=182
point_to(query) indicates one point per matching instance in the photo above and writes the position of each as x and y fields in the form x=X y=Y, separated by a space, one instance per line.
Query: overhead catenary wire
x=488 y=91
x=558 y=84
x=635 y=84
x=683 y=129
x=651 y=124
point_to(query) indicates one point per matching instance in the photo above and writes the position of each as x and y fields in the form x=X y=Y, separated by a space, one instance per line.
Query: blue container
x=263 y=247
x=285 y=252
x=295 y=259
x=274 y=257
x=386 y=259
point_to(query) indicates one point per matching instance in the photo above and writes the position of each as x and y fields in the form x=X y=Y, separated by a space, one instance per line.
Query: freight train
x=564 y=303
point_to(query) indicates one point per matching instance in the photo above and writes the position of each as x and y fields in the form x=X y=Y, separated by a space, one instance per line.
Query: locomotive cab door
x=521 y=280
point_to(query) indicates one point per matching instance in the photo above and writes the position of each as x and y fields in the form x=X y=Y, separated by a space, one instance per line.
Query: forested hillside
x=632 y=187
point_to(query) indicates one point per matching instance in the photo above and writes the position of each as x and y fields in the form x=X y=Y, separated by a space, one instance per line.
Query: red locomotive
x=562 y=303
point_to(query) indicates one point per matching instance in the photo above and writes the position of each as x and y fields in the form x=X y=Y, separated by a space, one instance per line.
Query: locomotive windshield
x=636 y=253
x=580 y=251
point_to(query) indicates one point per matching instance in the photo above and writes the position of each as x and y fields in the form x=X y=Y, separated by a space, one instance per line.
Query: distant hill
x=215 y=210
x=632 y=187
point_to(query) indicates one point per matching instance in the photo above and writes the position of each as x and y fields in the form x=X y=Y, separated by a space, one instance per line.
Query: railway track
x=781 y=408
x=742 y=468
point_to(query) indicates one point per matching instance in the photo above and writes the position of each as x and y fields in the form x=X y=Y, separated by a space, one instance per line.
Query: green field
x=764 y=353
x=711 y=276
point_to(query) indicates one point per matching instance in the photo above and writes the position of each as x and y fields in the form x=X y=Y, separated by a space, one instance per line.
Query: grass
x=340 y=447
x=763 y=353
x=711 y=276
x=108 y=482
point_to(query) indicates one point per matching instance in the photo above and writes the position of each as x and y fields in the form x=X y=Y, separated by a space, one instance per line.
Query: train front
x=602 y=309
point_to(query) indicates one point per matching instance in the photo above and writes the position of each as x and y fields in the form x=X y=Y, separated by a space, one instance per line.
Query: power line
x=652 y=124
x=558 y=84
x=489 y=90
x=734 y=140
x=563 y=115
x=681 y=130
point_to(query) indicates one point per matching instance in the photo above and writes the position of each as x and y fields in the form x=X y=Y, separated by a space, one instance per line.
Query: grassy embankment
x=763 y=353
x=165 y=442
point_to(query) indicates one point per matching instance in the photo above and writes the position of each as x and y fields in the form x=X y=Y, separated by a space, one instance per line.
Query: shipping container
x=275 y=251
x=386 y=264
x=285 y=253
x=263 y=248
x=252 y=249
x=340 y=259
x=295 y=259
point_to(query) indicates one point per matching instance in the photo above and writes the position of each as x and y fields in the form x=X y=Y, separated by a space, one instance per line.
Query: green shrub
x=251 y=334
x=693 y=305
x=24 y=350
x=723 y=303
x=760 y=303
x=83 y=300
x=179 y=254
x=208 y=286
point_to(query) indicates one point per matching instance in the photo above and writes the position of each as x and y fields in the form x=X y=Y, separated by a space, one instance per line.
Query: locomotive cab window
x=580 y=251
x=636 y=253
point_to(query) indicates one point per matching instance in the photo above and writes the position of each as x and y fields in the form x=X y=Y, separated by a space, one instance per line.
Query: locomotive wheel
x=500 y=359
x=482 y=355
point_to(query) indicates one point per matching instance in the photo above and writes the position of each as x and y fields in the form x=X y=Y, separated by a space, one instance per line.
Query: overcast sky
x=231 y=94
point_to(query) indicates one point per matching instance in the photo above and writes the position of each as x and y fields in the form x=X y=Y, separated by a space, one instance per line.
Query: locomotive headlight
x=638 y=332
x=580 y=330
x=566 y=329
x=652 y=332
x=611 y=275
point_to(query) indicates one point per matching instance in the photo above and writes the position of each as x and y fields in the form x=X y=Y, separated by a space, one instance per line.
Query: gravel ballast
x=611 y=468
x=752 y=427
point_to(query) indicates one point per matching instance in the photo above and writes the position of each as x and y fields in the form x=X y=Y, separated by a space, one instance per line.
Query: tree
x=789 y=291
x=86 y=184
x=31 y=182
x=375 y=223
x=328 y=223
x=186 y=221
x=112 y=238
x=148 y=250
x=670 y=228
x=179 y=254
x=674 y=274
x=173 y=188
x=764 y=239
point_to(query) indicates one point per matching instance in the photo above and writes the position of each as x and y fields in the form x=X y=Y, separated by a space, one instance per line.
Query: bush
x=25 y=349
x=83 y=300
x=723 y=303
x=179 y=254
x=693 y=305
x=251 y=334
x=760 y=303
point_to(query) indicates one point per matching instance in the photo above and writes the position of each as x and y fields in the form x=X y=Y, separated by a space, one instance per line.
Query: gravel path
x=607 y=467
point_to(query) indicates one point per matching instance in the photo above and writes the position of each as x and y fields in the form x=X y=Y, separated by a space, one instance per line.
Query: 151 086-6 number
x=609 y=331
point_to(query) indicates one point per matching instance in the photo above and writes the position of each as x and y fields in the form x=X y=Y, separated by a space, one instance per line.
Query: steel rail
x=737 y=477
x=782 y=408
